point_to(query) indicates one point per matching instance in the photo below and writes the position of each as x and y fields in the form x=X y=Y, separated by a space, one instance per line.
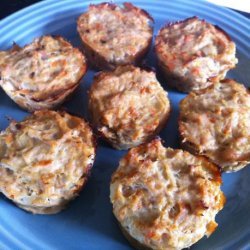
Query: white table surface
x=242 y=5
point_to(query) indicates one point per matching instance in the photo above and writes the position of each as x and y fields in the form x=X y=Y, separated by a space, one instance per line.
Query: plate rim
x=49 y=3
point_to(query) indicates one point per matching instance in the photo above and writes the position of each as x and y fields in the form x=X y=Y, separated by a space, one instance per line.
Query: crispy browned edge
x=135 y=243
x=194 y=149
x=119 y=146
x=197 y=18
x=97 y=61
x=114 y=143
x=180 y=83
x=217 y=178
x=177 y=82
x=82 y=181
x=63 y=94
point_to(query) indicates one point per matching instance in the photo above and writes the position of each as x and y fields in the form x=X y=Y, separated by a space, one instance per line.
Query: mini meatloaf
x=115 y=35
x=128 y=106
x=215 y=122
x=165 y=198
x=45 y=160
x=42 y=74
x=192 y=54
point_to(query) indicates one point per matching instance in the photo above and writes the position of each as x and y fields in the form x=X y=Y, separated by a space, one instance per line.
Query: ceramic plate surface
x=88 y=222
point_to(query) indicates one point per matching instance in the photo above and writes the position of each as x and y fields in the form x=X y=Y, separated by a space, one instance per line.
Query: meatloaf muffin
x=115 y=35
x=42 y=74
x=128 y=106
x=215 y=122
x=165 y=198
x=192 y=54
x=45 y=160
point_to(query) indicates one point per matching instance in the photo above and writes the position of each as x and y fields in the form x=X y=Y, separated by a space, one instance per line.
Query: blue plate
x=88 y=222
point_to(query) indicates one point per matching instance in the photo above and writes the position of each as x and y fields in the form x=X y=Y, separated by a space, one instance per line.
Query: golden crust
x=215 y=122
x=112 y=35
x=128 y=106
x=45 y=160
x=42 y=74
x=193 y=54
x=165 y=198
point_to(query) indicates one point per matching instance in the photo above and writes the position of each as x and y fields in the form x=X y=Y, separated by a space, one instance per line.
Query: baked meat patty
x=42 y=74
x=128 y=106
x=192 y=54
x=45 y=160
x=165 y=198
x=215 y=122
x=115 y=35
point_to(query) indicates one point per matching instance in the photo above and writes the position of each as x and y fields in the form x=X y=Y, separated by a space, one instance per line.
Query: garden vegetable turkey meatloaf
x=165 y=198
x=215 y=122
x=128 y=106
x=115 y=35
x=42 y=74
x=45 y=160
x=193 y=54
